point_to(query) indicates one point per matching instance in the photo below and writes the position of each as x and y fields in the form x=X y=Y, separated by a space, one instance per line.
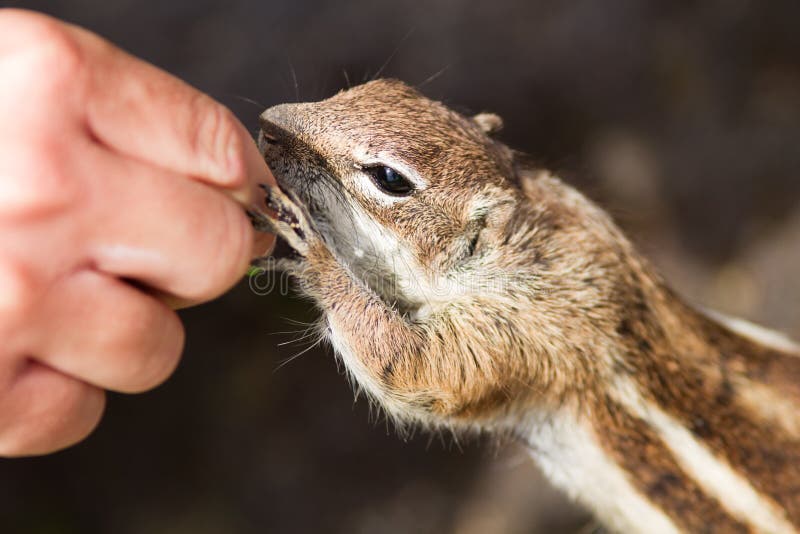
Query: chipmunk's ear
x=488 y=122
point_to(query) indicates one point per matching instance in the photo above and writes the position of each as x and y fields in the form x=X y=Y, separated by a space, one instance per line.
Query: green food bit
x=254 y=270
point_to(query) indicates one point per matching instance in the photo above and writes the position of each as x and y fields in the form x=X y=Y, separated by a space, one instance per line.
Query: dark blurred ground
x=682 y=117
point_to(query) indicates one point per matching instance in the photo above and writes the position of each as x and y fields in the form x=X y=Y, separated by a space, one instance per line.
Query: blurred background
x=683 y=118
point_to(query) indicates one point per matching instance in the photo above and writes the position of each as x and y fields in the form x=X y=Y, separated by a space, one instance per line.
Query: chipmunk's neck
x=695 y=428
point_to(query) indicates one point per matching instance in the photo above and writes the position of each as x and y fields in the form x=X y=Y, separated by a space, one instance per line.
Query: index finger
x=143 y=112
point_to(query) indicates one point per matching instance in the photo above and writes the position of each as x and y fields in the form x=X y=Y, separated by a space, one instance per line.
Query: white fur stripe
x=713 y=475
x=770 y=406
x=759 y=334
x=574 y=461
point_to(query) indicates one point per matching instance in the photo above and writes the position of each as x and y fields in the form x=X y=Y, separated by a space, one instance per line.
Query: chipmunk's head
x=382 y=172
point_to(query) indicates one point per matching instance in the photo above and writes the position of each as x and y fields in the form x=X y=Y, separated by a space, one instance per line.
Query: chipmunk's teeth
x=297 y=228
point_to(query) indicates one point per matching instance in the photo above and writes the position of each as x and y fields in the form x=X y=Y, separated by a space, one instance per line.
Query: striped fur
x=713 y=478
x=575 y=459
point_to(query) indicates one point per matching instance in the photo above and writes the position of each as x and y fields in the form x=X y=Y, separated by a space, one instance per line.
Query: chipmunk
x=462 y=288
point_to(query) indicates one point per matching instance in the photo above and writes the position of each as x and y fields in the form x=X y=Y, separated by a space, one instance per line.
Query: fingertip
x=156 y=355
x=247 y=169
x=232 y=259
x=85 y=411
x=48 y=411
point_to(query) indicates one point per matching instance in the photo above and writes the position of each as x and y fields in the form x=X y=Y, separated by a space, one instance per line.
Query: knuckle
x=20 y=290
x=43 y=178
x=62 y=57
x=150 y=349
x=48 y=46
x=22 y=27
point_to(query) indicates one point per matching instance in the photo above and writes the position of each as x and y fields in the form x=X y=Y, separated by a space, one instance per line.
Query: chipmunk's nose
x=276 y=123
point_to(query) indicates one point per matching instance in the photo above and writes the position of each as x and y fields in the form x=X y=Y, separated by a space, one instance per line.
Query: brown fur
x=577 y=307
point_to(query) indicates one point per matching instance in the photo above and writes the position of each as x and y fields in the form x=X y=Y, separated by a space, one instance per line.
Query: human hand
x=121 y=194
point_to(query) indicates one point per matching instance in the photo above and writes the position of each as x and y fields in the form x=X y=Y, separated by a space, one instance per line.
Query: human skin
x=121 y=198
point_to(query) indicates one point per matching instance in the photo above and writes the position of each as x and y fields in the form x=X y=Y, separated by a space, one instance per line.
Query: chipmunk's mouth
x=287 y=170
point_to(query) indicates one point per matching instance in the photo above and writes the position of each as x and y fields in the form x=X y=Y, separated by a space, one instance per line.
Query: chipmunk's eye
x=390 y=180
